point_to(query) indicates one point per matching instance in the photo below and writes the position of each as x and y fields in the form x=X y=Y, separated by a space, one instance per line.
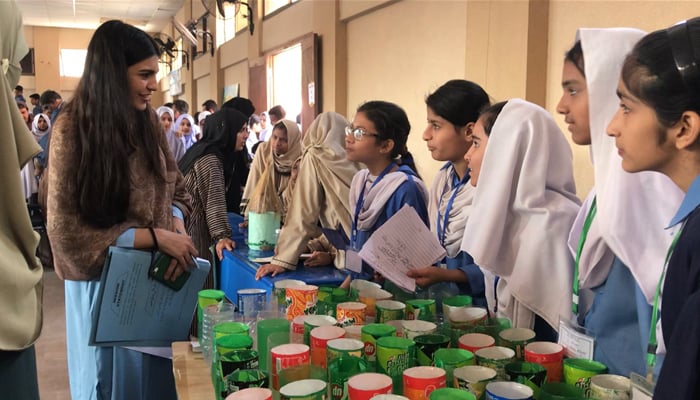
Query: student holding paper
x=452 y=111
x=377 y=138
x=524 y=205
x=113 y=181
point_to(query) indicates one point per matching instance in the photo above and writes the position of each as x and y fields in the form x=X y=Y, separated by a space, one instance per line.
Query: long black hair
x=391 y=122
x=108 y=127
x=575 y=56
x=458 y=101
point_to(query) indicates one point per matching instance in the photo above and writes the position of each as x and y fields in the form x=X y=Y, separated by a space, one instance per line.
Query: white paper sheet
x=401 y=244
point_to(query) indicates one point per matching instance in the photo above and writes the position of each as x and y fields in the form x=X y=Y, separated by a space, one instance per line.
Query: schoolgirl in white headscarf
x=524 y=206
x=166 y=117
x=185 y=133
x=29 y=180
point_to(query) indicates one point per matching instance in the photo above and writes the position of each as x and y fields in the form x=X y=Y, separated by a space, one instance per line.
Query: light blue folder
x=134 y=310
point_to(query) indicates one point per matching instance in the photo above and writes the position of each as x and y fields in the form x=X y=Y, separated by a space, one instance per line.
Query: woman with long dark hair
x=113 y=181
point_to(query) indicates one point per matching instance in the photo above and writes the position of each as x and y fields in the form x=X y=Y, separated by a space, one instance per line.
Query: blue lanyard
x=442 y=231
x=361 y=200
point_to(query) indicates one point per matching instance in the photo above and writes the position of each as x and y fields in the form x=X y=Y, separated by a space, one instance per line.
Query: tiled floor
x=51 y=346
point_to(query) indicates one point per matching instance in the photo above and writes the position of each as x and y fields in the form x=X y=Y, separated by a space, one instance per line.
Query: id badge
x=642 y=389
x=353 y=261
x=576 y=341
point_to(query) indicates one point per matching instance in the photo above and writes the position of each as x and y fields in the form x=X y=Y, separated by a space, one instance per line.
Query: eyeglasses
x=358 y=133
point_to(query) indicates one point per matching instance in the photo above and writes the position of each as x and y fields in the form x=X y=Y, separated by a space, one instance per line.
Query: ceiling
x=150 y=15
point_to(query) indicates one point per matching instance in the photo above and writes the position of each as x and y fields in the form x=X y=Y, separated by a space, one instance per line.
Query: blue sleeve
x=465 y=263
x=41 y=157
x=177 y=213
x=408 y=193
x=126 y=239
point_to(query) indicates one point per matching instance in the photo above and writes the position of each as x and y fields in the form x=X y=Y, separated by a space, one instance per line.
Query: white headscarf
x=633 y=209
x=523 y=209
x=39 y=134
x=20 y=270
x=440 y=193
x=189 y=139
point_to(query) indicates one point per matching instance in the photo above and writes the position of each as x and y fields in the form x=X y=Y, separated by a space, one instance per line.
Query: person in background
x=19 y=94
x=657 y=128
x=180 y=107
x=20 y=269
x=54 y=101
x=207 y=168
x=210 y=105
x=200 y=122
x=113 y=182
x=169 y=105
x=452 y=111
x=275 y=114
x=320 y=196
x=184 y=129
x=523 y=209
x=612 y=248
x=35 y=98
x=166 y=117
x=26 y=115
x=254 y=129
x=41 y=126
x=239 y=175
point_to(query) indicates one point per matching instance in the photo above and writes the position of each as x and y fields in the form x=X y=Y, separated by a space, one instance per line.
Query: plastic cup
x=508 y=391
x=370 y=334
x=251 y=394
x=496 y=357
x=344 y=347
x=280 y=291
x=233 y=342
x=473 y=378
x=301 y=300
x=549 y=355
x=340 y=370
x=517 y=339
x=235 y=360
x=389 y=310
x=415 y=328
x=419 y=382
x=610 y=387
x=350 y=313
x=560 y=391
x=353 y=332
x=465 y=317
x=251 y=302
x=297 y=329
x=358 y=285
x=366 y=386
x=230 y=328
x=314 y=321
x=319 y=337
x=370 y=298
x=450 y=304
x=389 y=397
x=450 y=359
x=578 y=372
x=265 y=329
x=305 y=389
x=212 y=315
x=205 y=298
x=427 y=345
x=398 y=324
x=423 y=309
x=394 y=355
x=492 y=326
x=475 y=341
x=287 y=356
x=246 y=378
x=529 y=374
x=451 y=394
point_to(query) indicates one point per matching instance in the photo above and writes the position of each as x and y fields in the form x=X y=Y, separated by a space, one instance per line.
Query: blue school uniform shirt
x=407 y=193
x=680 y=310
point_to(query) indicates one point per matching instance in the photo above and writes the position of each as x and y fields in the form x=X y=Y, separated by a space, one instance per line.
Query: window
x=274 y=5
x=226 y=28
x=284 y=87
x=72 y=62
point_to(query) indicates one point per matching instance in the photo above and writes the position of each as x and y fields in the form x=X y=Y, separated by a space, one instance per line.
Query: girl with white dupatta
x=619 y=326
x=452 y=111
x=185 y=129
x=524 y=206
x=377 y=138
x=166 y=115
x=41 y=126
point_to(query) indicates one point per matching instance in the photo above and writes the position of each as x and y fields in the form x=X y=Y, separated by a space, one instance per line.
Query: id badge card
x=642 y=389
x=577 y=342
x=353 y=261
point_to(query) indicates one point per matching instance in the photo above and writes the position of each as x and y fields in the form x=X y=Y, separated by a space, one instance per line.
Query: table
x=192 y=374
x=238 y=272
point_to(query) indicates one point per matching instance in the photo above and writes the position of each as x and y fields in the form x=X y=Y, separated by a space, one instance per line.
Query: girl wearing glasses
x=657 y=128
x=377 y=138
x=452 y=111
x=524 y=205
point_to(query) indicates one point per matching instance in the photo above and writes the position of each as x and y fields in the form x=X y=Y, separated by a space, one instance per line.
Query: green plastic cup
x=206 y=298
x=266 y=328
x=370 y=334
x=493 y=326
x=389 y=310
x=517 y=339
x=560 y=391
x=423 y=309
x=449 y=304
x=342 y=369
x=529 y=374
x=305 y=389
x=427 y=345
x=343 y=347
x=578 y=372
x=230 y=328
x=227 y=343
x=394 y=355
x=246 y=378
x=450 y=394
x=450 y=359
x=314 y=321
x=235 y=360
